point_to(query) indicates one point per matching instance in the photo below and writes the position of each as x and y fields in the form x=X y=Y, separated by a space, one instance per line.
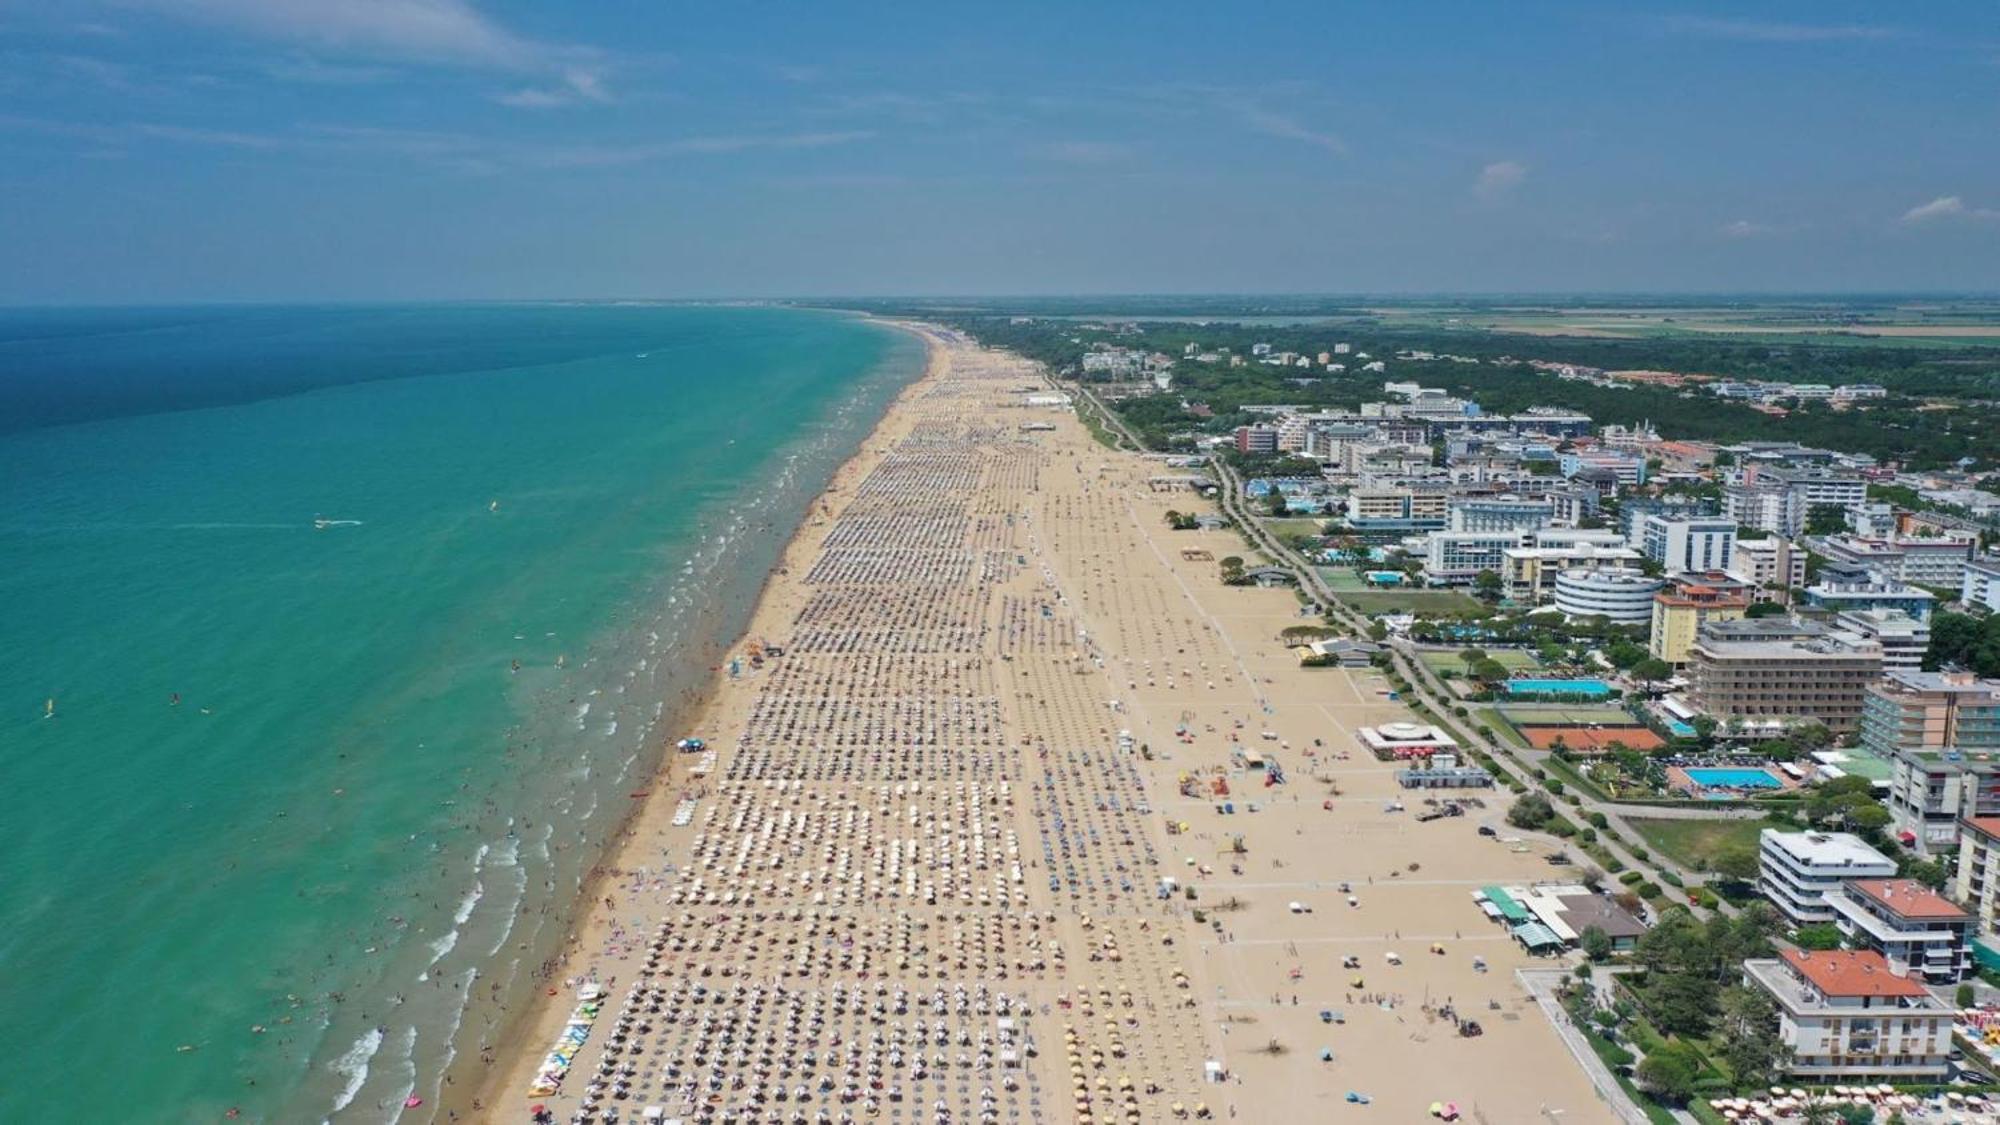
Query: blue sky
x=167 y=150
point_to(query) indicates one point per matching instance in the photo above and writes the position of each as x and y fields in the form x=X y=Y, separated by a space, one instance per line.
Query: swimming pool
x=1681 y=729
x=1593 y=688
x=1712 y=778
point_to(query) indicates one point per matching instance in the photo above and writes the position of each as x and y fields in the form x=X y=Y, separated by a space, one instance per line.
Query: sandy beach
x=916 y=872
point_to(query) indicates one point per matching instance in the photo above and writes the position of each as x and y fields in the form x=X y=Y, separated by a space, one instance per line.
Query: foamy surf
x=353 y=1065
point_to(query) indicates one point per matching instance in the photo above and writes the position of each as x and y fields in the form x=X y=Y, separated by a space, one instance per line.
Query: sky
x=269 y=150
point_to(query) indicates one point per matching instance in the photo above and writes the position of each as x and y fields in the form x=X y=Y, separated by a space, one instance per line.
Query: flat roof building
x=1624 y=597
x=1940 y=732
x=1798 y=870
x=1779 y=670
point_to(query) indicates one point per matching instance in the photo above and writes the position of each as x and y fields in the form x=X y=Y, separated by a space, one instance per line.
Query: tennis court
x=1585 y=729
x=1587 y=740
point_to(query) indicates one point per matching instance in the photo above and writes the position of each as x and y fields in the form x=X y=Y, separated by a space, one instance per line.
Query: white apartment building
x=1903 y=638
x=1980 y=584
x=1920 y=562
x=1623 y=596
x=1849 y=1014
x=1798 y=870
x=1769 y=562
x=1689 y=546
x=1914 y=928
x=1499 y=513
x=1454 y=557
x=1764 y=508
x=1778 y=500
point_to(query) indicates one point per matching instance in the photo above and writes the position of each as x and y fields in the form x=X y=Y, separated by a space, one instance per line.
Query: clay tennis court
x=1587 y=740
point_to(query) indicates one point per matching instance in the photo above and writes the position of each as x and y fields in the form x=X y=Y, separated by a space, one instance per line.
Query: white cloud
x=1279 y=125
x=442 y=31
x=1945 y=207
x=1744 y=228
x=460 y=151
x=1085 y=152
x=576 y=86
x=1499 y=178
x=1762 y=31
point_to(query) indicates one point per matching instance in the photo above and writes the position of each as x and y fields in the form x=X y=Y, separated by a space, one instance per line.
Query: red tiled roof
x=1984 y=825
x=1850 y=973
x=1909 y=898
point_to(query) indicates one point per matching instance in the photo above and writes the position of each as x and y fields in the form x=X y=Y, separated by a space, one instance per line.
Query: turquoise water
x=360 y=825
x=1681 y=729
x=1558 y=687
x=1717 y=778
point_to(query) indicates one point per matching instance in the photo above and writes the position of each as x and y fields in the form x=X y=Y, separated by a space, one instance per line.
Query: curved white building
x=1624 y=596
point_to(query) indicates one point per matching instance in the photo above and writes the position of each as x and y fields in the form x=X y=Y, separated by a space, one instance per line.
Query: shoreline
x=502 y=1066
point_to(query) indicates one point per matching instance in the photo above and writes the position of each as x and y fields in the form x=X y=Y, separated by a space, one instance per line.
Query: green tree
x=1848 y=802
x=1595 y=943
x=1487 y=585
x=1737 y=864
x=1826 y=519
x=1668 y=1072
x=1531 y=811
x=1818 y=935
x=1751 y=1045
x=1652 y=670
x=1625 y=654
x=1765 y=609
x=1682 y=1003
x=1930 y=872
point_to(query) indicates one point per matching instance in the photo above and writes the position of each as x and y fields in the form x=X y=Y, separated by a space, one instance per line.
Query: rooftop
x=1937 y=683
x=1908 y=898
x=1988 y=826
x=1850 y=972
x=1584 y=911
x=1827 y=849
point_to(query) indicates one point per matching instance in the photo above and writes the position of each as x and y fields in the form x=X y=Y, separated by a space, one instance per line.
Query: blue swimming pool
x=1595 y=689
x=1681 y=729
x=1713 y=778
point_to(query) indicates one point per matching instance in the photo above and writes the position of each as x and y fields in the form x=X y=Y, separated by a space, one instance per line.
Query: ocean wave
x=353 y=1065
x=408 y=1059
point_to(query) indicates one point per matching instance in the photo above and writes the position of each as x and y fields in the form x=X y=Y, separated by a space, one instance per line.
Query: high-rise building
x=1940 y=732
x=1777 y=671
x=1256 y=439
x=1680 y=610
x=1685 y=546
x=1798 y=870
x=1625 y=597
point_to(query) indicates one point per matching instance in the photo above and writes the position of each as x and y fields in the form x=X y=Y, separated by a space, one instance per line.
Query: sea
x=334 y=644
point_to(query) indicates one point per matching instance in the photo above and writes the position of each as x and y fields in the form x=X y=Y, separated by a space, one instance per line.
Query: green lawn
x=1293 y=526
x=1514 y=660
x=1554 y=714
x=1691 y=843
x=1341 y=579
x=1413 y=601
